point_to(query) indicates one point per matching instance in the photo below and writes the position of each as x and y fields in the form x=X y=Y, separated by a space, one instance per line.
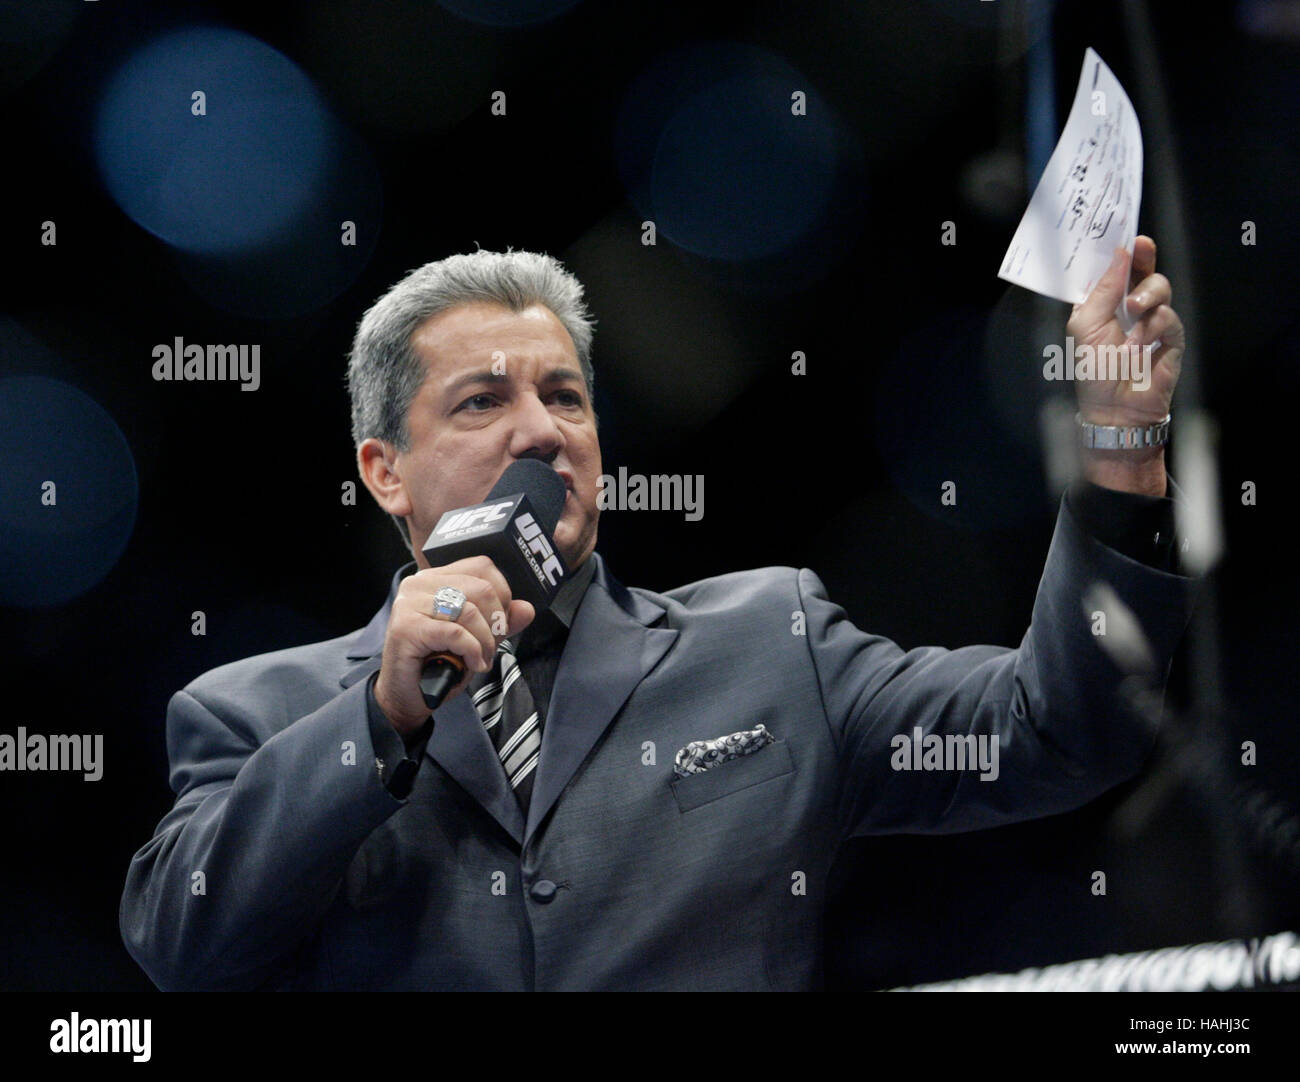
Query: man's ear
x=381 y=474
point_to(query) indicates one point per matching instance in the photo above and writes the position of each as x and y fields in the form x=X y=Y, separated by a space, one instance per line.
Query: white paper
x=1086 y=203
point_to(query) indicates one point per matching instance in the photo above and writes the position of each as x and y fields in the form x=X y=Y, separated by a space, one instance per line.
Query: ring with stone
x=448 y=603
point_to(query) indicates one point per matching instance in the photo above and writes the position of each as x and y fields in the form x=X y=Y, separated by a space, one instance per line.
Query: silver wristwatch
x=1124 y=437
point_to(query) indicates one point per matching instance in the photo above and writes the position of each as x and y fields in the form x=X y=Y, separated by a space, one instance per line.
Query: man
x=633 y=790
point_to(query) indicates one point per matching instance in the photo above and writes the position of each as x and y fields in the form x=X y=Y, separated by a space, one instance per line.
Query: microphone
x=514 y=528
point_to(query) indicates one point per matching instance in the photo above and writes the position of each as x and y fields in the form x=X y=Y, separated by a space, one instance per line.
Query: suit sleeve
x=1064 y=733
x=392 y=750
x=241 y=870
x=1139 y=527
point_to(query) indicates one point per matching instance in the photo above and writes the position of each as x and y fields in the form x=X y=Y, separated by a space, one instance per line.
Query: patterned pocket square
x=701 y=755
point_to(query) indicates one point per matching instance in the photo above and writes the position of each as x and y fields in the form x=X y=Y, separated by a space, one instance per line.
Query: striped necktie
x=505 y=704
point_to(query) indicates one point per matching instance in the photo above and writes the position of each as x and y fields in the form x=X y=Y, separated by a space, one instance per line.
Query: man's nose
x=536 y=434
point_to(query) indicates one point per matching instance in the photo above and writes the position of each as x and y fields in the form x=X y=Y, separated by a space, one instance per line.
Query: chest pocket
x=731 y=776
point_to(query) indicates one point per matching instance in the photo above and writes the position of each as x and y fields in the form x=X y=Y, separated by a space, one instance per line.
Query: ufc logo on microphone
x=532 y=533
x=478 y=516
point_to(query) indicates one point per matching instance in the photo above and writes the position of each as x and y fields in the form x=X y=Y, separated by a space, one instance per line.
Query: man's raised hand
x=1133 y=401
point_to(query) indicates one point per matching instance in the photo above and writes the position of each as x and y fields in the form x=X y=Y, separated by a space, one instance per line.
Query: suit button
x=542 y=891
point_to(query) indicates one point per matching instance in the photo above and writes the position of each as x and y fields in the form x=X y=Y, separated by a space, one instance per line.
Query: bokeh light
x=255 y=194
x=714 y=148
x=52 y=432
x=226 y=180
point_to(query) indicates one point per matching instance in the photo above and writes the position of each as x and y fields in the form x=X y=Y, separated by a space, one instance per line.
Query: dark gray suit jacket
x=285 y=863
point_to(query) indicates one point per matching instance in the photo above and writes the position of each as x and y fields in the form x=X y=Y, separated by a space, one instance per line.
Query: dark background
x=921 y=367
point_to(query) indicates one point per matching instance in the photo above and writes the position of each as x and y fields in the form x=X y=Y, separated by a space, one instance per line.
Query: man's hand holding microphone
x=415 y=633
x=496 y=568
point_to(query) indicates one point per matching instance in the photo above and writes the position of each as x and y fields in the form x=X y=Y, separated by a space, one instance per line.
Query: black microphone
x=514 y=528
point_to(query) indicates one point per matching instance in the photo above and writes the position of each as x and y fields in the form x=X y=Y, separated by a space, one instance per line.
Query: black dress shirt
x=1139 y=527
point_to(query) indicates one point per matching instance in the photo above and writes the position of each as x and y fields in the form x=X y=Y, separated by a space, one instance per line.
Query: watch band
x=1123 y=437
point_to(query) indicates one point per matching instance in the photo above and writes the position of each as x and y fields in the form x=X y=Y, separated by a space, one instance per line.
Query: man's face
x=500 y=386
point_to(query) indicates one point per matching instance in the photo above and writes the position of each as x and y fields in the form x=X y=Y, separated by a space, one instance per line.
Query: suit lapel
x=462 y=747
x=610 y=649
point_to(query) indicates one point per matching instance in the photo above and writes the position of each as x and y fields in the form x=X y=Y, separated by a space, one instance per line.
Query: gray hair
x=384 y=372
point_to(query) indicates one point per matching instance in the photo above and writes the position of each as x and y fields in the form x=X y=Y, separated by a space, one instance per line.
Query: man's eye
x=477 y=403
x=569 y=398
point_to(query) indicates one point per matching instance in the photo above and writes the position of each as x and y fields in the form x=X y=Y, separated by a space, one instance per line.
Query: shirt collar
x=565 y=605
